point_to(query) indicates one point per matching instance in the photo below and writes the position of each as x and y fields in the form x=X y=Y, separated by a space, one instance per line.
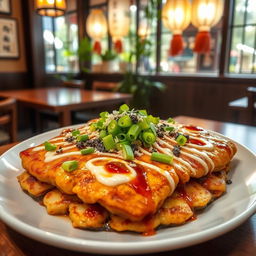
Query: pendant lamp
x=176 y=17
x=118 y=21
x=52 y=8
x=205 y=14
x=96 y=27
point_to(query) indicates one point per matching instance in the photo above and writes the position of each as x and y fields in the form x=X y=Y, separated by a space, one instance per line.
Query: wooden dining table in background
x=239 y=242
x=65 y=100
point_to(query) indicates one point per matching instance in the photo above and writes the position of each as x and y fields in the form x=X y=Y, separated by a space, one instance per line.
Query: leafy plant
x=141 y=86
x=108 y=55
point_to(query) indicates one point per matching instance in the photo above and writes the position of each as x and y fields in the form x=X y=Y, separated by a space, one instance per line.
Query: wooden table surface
x=239 y=242
x=64 y=100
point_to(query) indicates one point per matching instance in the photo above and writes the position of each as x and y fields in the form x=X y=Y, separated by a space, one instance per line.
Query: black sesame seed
x=176 y=150
x=59 y=150
x=134 y=118
x=70 y=139
x=229 y=182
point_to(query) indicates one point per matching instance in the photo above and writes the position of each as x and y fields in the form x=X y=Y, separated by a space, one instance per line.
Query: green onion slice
x=124 y=108
x=133 y=132
x=169 y=128
x=87 y=151
x=75 y=133
x=49 y=147
x=103 y=133
x=170 y=120
x=83 y=137
x=181 y=140
x=104 y=114
x=162 y=158
x=144 y=125
x=148 y=137
x=121 y=137
x=113 y=128
x=70 y=166
x=127 y=152
x=125 y=121
x=109 y=142
x=143 y=112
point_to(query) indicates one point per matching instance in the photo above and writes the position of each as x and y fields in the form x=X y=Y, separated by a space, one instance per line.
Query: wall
x=14 y=71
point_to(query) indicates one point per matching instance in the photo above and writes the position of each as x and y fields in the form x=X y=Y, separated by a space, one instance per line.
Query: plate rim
x=140 y=247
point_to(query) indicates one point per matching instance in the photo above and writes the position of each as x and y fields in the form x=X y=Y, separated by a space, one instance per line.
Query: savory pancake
x=130 y=163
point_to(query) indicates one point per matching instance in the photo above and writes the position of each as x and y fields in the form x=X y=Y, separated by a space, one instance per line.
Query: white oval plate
x=26 y=216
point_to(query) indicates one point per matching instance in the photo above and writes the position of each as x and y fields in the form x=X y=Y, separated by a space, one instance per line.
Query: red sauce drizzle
x=196 y=142
x=194 y=217
x=140 y=184
x=25 y=153
x=193 y=128
x=224 y=146
x=149 y=223
x=92 y=211
x=184 y=195
x=116 y=167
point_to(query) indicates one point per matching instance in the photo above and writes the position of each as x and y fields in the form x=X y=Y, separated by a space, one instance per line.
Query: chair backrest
x=104 y=86
x=8 y=117
x=251 y=94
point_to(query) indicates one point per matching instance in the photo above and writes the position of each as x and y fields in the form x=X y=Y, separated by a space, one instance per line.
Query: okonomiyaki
x=128 y=170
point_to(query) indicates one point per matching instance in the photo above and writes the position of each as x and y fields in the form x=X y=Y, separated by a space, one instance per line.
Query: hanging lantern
x=205 y=14
x=52 y=8
x=118 y=21
x=96 y=27
x=176 y=17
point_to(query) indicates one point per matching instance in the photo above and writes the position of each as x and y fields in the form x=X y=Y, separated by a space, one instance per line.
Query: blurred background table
x=239 y=242
x=65 y=100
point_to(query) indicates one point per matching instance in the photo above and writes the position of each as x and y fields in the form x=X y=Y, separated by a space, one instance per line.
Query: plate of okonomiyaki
x=125 y=183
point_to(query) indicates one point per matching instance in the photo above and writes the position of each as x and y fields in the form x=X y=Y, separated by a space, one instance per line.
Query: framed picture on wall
x=9 y=42
x=5 y=6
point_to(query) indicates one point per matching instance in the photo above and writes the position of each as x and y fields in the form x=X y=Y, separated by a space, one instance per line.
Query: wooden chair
x=8 y=119
x=243 y=110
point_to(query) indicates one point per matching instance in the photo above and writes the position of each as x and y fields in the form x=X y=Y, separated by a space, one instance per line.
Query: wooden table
x=239 y=242
x=64 y=100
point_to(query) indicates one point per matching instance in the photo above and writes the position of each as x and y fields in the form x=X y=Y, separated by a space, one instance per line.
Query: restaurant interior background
x=61 y=51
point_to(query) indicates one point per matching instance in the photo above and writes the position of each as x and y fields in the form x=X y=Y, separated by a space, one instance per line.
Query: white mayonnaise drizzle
x=107 y=178
x=51 y=156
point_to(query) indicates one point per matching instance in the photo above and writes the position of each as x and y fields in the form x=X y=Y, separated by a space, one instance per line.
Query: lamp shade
x=96 y=27
x=52 y=8
x=205 y=14
x=176 y=16
x=118 y=21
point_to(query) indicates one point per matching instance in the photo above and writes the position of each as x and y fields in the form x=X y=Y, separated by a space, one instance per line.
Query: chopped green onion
x=93 y=127
x=123 y=108
x=75 y=133
x=153 y=128
x=109 y=142
x=181 y=139
x=125 y=121
x=83 y=137
x=104 y=114
x=127 y=152
x=49 y=147
x=133 y=132
x=121 y=137
x=143 y=112
x=162 y=158
x=113 y=127
x=70 y=166
x=154 y=120
x=103 y=133
x=144 y=125
x=100 y=124
x=149 y=137
x=119 y=145
x=169 y=128
x=170 y=120
x=87 y=151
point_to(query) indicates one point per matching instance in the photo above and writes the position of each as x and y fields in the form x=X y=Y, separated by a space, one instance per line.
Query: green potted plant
x=109 y=63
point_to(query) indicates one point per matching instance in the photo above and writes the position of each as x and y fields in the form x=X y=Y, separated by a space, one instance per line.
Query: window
x=61 y=42
x=243 y=38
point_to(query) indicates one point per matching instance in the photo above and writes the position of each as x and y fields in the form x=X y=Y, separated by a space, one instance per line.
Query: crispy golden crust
x=33 y=186
x=132 y=200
